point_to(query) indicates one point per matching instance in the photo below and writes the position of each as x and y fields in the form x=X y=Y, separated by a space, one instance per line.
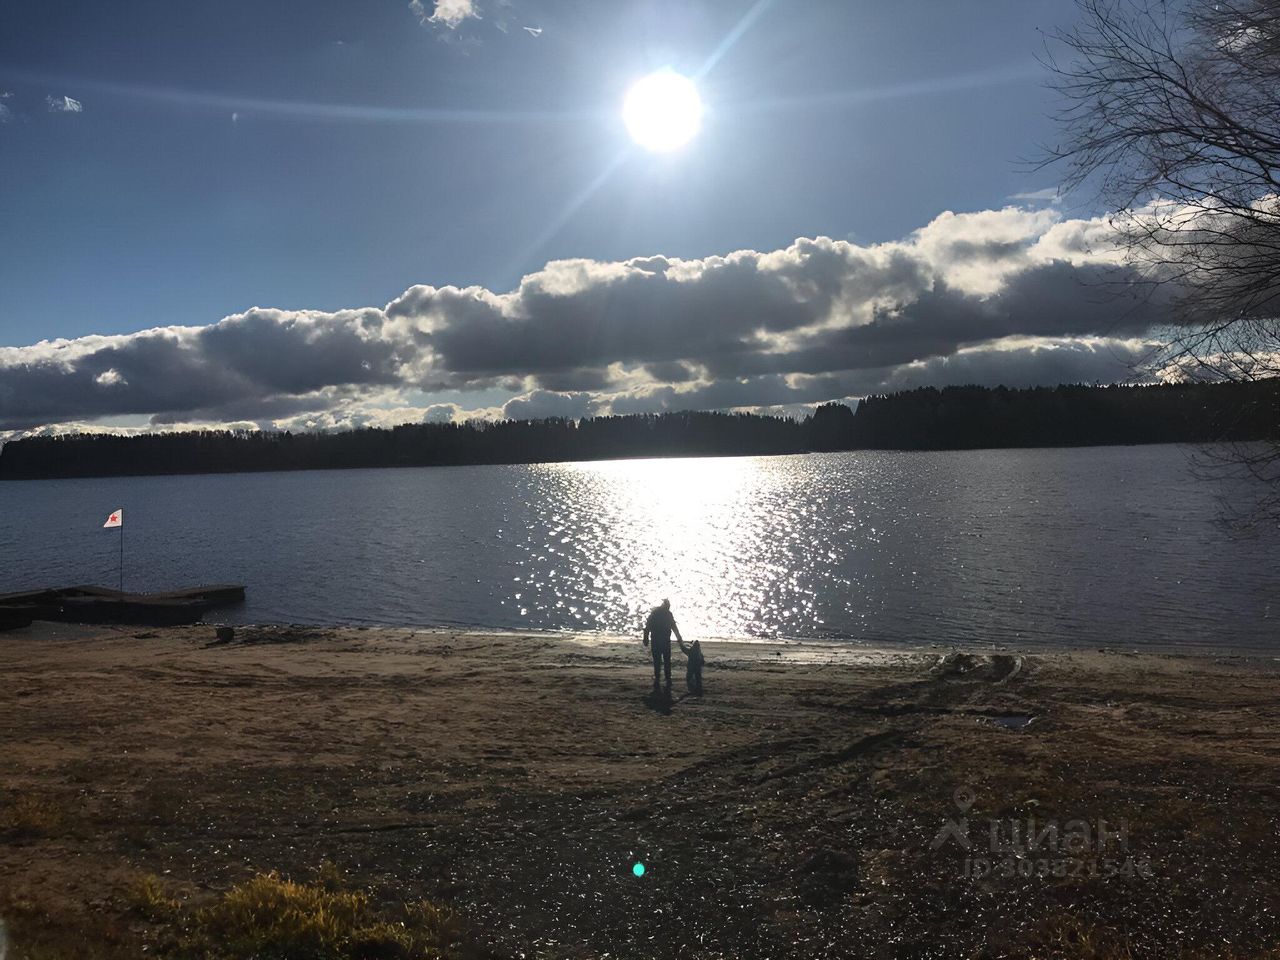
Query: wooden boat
x=92 y=604
x=19 y=609
x=13 y=618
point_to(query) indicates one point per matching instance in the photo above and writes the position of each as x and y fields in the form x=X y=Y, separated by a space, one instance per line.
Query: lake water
x=1116 y=547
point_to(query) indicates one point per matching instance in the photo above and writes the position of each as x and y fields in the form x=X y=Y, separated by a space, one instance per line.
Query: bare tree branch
x=1172 y=115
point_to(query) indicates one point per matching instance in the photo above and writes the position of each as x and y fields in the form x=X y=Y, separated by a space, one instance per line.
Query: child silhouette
x=693 y=673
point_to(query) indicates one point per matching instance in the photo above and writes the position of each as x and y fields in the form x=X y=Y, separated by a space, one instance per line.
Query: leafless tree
x=1172 y=115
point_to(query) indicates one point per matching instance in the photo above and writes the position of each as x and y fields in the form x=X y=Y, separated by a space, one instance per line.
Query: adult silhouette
x=657 y=631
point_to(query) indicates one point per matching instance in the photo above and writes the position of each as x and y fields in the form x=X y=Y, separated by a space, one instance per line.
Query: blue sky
x=327 y=155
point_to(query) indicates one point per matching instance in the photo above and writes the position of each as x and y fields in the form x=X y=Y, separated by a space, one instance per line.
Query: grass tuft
x=148 y=899
x=28 y=815
x=279 y=918
x=269 y=917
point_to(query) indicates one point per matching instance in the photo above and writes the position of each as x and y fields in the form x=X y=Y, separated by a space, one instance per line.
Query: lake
x=1115 y=546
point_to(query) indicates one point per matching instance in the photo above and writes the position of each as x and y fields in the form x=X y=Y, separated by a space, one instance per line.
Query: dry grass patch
x=270 y=917
x=31 y=815
x=148 y=898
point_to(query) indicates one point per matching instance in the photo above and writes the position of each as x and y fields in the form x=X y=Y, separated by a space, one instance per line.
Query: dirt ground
x=817 y=801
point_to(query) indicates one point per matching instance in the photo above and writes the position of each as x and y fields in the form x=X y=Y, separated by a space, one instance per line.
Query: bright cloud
x=63 y=105
x=448 y=13
x=1047 y=195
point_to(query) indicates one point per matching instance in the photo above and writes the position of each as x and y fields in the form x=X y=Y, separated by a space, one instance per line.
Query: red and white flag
x=116 y=519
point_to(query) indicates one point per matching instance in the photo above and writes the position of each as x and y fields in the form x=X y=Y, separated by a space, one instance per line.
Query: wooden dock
x=91 y=604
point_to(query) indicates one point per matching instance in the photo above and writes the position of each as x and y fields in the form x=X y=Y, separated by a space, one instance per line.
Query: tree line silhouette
x=928 y=418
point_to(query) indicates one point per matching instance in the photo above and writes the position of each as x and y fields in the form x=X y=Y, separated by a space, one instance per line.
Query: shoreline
x=850 y=645
x=515 y=778
x=1191 y=444
x=799 y=650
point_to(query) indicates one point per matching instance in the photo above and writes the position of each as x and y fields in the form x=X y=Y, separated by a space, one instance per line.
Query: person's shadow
x=661 y=701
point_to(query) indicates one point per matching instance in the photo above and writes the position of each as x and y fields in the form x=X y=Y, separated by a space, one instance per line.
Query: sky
x=318 y=214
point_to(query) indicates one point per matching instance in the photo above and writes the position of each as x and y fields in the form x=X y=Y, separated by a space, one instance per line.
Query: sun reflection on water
x=705 y=533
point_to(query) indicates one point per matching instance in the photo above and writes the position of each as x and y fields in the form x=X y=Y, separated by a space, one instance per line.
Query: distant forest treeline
x=924 y=419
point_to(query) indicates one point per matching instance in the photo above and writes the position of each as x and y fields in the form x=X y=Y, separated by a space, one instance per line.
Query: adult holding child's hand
x=658 y=629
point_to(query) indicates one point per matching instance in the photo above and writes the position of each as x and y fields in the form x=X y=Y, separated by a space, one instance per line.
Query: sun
x=662 y=111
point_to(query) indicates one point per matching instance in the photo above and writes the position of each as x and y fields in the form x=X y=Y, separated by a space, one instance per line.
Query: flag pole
x=122 y=550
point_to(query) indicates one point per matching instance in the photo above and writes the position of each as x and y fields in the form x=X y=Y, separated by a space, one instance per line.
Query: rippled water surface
x=1107 y=546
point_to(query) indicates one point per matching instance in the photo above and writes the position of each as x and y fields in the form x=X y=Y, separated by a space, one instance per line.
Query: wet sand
x=817 y=801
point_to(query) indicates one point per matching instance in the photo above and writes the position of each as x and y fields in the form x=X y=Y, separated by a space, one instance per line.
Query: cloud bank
x=1012 y=296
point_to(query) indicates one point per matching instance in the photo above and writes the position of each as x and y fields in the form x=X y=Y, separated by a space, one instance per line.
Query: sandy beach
x=817 y=801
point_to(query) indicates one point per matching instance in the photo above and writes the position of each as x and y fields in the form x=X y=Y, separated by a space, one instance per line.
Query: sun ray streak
x=303 y=110
x=576 y=203
x=733 y=36
x=918 y=88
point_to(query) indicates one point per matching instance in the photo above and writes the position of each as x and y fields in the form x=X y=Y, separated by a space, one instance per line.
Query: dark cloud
x=580 y=378
x=672 y=371
x=546 y=403
x=1010 y=364
x=1052 y=300
x=223 y=370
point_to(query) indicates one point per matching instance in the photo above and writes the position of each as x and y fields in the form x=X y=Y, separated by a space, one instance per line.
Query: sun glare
x=662 y=111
